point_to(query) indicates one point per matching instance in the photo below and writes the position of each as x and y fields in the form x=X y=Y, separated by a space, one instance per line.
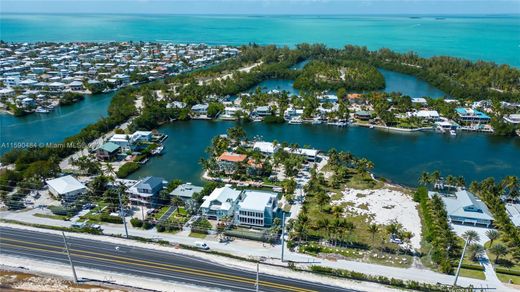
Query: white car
x=201 y=245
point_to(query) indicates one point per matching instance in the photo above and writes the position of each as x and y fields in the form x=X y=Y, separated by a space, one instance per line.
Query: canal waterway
x=397 y=156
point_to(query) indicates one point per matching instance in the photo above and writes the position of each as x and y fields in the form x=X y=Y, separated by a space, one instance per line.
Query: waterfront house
x=222 y=202
x=28 y=102
x=123 y=140
x=419 y=101
x=107 y=151
x=292 y=113
x=257 y=208
x=67 y=188
x=513 y=119
x=363 y=115
x=200 y=109
x=185 y=192
x=430 y=115
x=263 y=111
x=228 y=162
x=266 y=148
x=76 y=86
x=308 y=154
x=230 y=112
x=146 y=191
x=465 y=208
x=468 y=115
x=56 y=86
x=141 y=137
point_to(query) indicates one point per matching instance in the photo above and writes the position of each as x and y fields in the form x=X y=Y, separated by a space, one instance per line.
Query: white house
x=200 y=109
x=309 y=154
x=123 y=140
x=263 y=111
x=466 y=209
x=66 y=188
x=220 y=203
x=431 y=115
x=267 y=148
x=257 y=208
x=513 y=119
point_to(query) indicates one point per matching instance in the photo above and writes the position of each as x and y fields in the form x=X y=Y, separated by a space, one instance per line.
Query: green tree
x=498 y=250
x=492 y=235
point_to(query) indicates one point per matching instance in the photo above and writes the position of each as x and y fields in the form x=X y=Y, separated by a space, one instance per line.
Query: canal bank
x=53 y=127
x=400 y=157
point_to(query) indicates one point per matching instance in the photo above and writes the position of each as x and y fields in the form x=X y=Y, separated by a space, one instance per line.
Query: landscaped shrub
x=378 y=279
x=111 y=219
x=507 y=271
x=126 y=169
x=147 y=225
x=136 y=222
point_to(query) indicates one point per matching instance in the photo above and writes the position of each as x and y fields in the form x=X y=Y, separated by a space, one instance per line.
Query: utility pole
x=460 y=263
x=257 y=285
x=283 y=232
x=121 y=212
x=70 y=259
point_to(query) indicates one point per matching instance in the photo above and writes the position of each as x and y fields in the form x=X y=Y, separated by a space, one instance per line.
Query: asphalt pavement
x=148 y=263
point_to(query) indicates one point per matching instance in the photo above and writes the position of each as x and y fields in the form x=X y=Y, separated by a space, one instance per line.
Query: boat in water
x=295 y=121
x=453 y=133
x=41 y=110
x=158 y=150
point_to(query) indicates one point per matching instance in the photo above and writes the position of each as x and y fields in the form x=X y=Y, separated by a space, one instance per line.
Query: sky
x=258 y=7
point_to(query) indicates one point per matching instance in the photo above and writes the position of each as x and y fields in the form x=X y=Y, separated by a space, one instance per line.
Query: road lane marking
x=226 y=277
x=93 y=266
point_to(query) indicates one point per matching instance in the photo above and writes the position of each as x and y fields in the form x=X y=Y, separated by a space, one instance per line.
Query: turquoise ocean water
x=488 y=38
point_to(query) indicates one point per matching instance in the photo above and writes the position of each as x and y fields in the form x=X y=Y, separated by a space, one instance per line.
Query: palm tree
x=476 y=251
x=460 y=182
x=470 y=236
x=499 y=250
x=492 y=235
x=373 y=229
x=511 y=186
x=450 y=181
x=349 y=227
x=424 y=179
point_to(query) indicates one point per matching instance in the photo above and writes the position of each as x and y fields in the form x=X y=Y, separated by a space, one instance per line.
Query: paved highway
x=143 y=262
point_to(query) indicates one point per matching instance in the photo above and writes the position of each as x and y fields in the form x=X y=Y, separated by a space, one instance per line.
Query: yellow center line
x=161 y=266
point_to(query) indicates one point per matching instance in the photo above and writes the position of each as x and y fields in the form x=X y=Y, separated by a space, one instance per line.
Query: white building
x=257 y=208
x=309 y=154
x=267 y=148
x=425 y=114
x=66 y=188
x=513 y=119
x=220 y=203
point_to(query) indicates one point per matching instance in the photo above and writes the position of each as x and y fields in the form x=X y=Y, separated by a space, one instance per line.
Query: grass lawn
x=52 y=216
x=505 y=278
x=472 y=274
x=197 y=235
x=507 y=261
x=182 y=211
x=363 y=182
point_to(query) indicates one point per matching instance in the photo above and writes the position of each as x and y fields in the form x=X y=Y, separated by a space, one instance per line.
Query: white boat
x=158 y=150
x=295 y=121
x=453 y=133
x=316 y=121
x=41 y=110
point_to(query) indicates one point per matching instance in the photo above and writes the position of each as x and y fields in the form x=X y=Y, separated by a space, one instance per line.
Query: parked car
x=201 y=245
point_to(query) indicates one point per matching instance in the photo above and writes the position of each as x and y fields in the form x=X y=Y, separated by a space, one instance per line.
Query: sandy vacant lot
x=383 y=206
